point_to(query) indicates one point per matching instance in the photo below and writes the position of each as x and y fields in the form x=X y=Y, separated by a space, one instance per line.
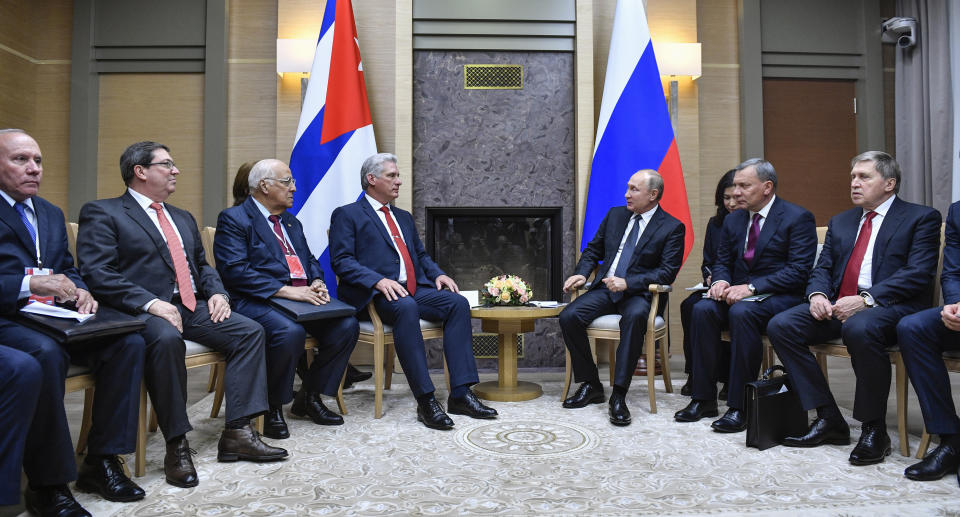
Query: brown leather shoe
x=642 y=367
x=245 y=444
x=178 y=464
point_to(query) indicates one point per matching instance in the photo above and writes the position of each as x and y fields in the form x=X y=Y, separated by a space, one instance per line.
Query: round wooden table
x=507 y=322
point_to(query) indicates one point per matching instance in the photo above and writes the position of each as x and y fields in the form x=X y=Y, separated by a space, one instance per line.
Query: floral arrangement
x=506 y=290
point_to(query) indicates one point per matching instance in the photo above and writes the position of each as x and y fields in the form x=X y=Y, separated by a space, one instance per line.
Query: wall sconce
x=674 y=60
x=295 y=55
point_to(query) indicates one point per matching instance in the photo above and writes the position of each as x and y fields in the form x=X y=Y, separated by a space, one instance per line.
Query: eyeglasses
x=167 y=164
x=286 y=182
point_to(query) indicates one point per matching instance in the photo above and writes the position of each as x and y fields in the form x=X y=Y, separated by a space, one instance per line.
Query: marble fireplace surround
x=497 y=148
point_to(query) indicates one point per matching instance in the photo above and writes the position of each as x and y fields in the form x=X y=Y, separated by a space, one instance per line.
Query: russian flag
x=335 y=134
x=634 y=130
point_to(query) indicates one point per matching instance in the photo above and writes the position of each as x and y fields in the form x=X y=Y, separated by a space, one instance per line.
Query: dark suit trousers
x=117 y=363
x=746 y=321
x=430 y=304
x=867 y=334
x=923 y=338
x=686 y=319
x=20 y=380
x=589 y=306
x=238 y=338
x=284 y=346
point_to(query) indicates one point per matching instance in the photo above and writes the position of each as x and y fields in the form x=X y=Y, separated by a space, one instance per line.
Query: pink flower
x=494 y=291
x=524 y=299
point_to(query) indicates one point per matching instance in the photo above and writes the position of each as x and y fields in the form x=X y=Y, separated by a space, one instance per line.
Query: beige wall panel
x=16 y=91
x=16 y=27
x=53 y=29
x=51 y=128
x=716 y=19
x=288 y=112
x=167 y=108
x=252 y=33
x=300 y=19
x=251 y=116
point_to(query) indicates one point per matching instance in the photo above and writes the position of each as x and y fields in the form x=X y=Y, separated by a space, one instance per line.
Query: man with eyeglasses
x=144 y=256
x=262 y=252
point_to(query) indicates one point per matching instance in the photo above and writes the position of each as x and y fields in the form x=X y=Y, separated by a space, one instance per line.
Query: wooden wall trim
x=84 y=108
x=215 y=113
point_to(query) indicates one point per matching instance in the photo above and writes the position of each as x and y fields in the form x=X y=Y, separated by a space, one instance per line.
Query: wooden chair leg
x=901 y=388
x=612 y=359
x=378 y=375
x=388 y=354
x=87 y=420
x=568 y=374
x=924 y=444
x=665 y=359
x=141 y=451
x=258 y=424
x=651 y=374
x=822 y=361
x=212 y=381
x=218 y=394
x=340 y=403
x=153 y=420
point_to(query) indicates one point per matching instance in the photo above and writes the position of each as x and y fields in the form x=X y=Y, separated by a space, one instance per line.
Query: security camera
x=900 y=30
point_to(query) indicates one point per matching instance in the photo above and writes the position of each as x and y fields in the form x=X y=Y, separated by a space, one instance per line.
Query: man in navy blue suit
x=876 y=266
x=35 y=262
x=20 y=381
x=766 y=249
x=640 y=244
x=923 y=337
x=377 y=255
x=261 y=252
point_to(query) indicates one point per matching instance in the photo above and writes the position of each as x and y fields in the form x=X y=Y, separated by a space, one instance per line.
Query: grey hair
x=374 y=165
x=765 y=170
x=261 y=171
x=654 y=181
x=883 y=163
x=12 y=130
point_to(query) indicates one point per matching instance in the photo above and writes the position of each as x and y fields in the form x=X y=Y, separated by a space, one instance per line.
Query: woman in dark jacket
x=725 y=202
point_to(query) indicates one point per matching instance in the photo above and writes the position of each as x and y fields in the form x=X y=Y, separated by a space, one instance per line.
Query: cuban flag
x=634 y=130
x=335 y=134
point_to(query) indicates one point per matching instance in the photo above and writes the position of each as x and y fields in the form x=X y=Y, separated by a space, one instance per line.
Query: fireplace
x=474 y=244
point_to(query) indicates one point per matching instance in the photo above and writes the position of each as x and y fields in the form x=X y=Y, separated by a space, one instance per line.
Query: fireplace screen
x=473 y=245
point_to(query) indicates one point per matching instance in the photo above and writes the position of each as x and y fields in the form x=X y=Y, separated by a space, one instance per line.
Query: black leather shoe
x=687 y=388
x=944 y=460
x=822 y=432
x=104 y=475
x=245 y=444
x=354 y=375
x=696 y=410
x=723 y=392
x=471 y=406
x=274 y=426
x=431 y=414
x=309 y=405
x=619 y=414
x=53 y=501
x=586 y=394
x=178 y=464
x=732 y=421
x=873 y=447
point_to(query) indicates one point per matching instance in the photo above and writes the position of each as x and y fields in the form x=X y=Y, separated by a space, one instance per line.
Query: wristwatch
x=753 y=290
x=867 y=299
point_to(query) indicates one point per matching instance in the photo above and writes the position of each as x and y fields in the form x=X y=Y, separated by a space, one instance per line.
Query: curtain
x=924 y=107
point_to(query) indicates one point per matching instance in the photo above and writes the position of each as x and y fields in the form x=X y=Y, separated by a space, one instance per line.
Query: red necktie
x=411 y=276
x=179 y=259
x=287 y=248
x=752 y=239
x=848 y=286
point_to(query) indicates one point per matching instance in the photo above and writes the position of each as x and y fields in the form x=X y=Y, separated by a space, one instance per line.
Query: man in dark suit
x=640 y=244
x=35 y=262
x=767 y=248
x=377 y=255
x=20 y=382
x=876 y=266
x=923 y=337
x=145 y=257
x=261 y=252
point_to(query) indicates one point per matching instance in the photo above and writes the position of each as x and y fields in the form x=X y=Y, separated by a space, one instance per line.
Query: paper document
x=57 y=312
x=698 y=287
x=473 y=297
x=546 y=304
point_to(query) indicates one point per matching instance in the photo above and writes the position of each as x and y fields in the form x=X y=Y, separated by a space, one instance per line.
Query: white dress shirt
x=402 y=277
x=763 y=218
x=643 y=219
x=32 y=216
x=266 y=215
x=865 y=280
x=145 y=203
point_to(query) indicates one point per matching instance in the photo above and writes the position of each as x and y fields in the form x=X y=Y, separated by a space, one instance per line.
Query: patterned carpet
x=536 y=459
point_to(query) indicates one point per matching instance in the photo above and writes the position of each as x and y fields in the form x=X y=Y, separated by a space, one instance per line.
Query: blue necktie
x=22 y=210
x=627 y=253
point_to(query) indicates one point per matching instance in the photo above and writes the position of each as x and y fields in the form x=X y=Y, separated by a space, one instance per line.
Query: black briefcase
x=305 y=311
x=106 y=322
x=773 y=410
